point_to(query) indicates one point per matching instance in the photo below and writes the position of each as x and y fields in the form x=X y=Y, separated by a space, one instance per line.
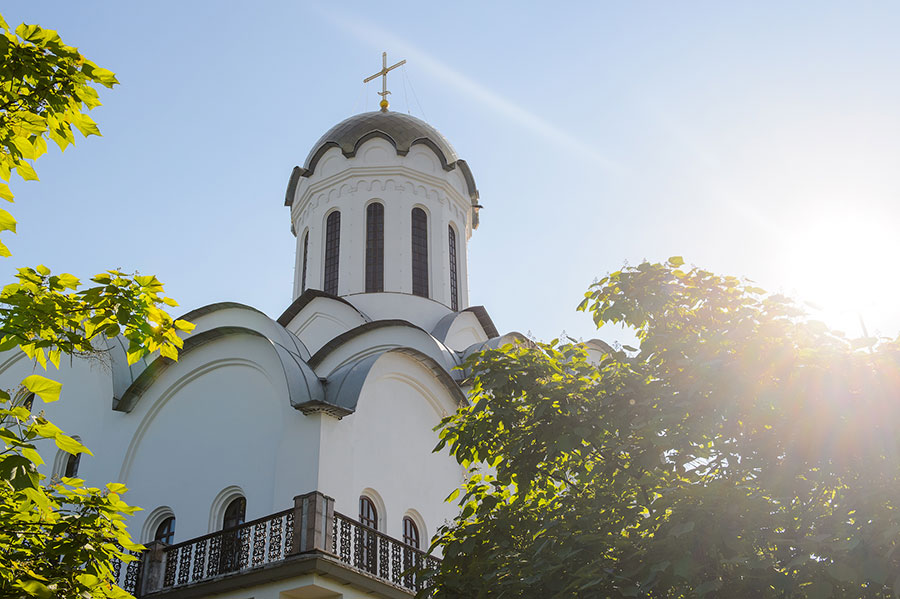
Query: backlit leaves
x=742 y=450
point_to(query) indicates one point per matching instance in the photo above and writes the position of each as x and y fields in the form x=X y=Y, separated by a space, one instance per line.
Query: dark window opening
x=72 y=463
x=165 y=532
x=332 y=252
x=419 y=252
x=235 y=545
x=410 y=532
x=234 y=513
x=454 y=283
x=367 y=552
x=375 y=248
x=305 y=257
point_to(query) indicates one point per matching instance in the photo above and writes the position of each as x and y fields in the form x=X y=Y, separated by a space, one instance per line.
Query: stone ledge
x=315 y=562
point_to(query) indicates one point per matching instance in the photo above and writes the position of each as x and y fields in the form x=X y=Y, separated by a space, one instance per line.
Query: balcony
x=308 y=538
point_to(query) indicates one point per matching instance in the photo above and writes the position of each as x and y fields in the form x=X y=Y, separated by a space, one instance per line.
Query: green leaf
x=676 y=261
x=5 y=192
x=70 y=445
x=47 y=389
x=26 y=171
x=7 y=222
x=36 y=589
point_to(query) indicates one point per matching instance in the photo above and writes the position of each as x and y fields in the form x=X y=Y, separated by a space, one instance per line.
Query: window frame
x=332 y=262
x=419 y=251
x=452 y=249
x=374 y=282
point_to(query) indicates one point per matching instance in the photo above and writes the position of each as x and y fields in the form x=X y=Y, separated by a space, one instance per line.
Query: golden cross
x=383 y=74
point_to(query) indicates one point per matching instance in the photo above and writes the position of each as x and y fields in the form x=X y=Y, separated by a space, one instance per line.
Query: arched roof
x=303 y=384
x=343 y=387
x=401 y=130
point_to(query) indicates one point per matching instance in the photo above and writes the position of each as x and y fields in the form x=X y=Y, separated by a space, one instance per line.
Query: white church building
x=292 y=457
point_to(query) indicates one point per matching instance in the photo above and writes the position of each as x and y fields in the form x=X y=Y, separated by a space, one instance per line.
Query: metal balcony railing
x=311 y=525
x=248 y=545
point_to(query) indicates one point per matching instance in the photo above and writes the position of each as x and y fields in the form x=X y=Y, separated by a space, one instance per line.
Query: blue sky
x=759 y=139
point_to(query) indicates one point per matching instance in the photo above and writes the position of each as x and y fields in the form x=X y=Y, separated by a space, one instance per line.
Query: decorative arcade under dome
x=383 y=204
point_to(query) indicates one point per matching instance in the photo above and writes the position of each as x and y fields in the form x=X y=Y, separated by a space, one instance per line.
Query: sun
x=845 y=266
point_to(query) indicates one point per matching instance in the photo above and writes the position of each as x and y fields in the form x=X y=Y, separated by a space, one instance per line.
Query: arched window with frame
x=419 y=252
x=411 y=540
x=72 y=463
x=375 y=247
x=235 y=513
x=454 y=279
x=332 y=252
x=165 y=532
x=367 y=556
x=233 y=555
x=410 y=532
x=305 y=258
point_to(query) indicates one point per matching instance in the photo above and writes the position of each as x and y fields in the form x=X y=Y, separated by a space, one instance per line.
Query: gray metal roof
x=401 y=130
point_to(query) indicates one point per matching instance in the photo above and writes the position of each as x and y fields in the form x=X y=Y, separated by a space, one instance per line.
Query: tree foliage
x=45 y=88
x=743 y=450
x=58 y=537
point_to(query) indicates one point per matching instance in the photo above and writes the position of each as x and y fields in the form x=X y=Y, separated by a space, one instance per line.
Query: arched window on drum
x=374 y=248
x=454 y=277
x=419 y=252
x=332 y=252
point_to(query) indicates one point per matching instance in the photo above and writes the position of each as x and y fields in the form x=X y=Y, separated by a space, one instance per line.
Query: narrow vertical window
x=375 y=248
x=454 y=283
x=419 y=252
x=232 y=540
x=410 y=532
x=410 y=557
x=305 y=257
x=234 y=513
x=332 y=252
x=165 y=532
x=72 y=463
x=367 y=557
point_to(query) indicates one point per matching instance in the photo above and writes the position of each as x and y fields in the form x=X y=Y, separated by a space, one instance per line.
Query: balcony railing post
x=154 y=569
x=313 y=523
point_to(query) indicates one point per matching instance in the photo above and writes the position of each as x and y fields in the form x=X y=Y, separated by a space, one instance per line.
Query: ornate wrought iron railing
x=311 y=525
x=382 y=556
x=128 y=574
x=249 y=545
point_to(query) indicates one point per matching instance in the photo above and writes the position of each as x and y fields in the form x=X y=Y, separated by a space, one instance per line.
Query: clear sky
x=759 y=139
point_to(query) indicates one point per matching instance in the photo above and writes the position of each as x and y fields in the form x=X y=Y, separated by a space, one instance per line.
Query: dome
x=401 y=130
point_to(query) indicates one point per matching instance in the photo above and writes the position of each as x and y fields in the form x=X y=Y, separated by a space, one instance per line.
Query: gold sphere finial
x=384 y=105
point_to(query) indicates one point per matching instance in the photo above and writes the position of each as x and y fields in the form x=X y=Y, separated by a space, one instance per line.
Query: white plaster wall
x=378 y=173
x=85 y=410
x=386 y=445
x=323 y=319
x=308 y=586
x=420 y=311
x=220 y=418
x=465 y=332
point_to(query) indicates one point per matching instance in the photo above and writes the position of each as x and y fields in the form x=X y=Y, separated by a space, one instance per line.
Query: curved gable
x=344 y=386
x=302 y=383
x=317 y=317
x=377 y=336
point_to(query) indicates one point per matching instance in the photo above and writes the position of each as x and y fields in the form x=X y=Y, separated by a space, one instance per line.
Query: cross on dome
x=383 y=74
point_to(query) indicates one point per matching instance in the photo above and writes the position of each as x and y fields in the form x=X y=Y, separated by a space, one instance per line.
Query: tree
x=59 y=537
x=743 y=450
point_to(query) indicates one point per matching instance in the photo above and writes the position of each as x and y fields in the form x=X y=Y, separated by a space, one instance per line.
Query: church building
x=292 y=457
